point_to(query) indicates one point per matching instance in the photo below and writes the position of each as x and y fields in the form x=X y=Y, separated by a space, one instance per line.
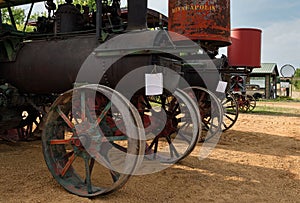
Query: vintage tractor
x=112 y=97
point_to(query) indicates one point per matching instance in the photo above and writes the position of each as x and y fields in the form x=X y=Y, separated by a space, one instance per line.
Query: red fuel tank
x=204 y=20
x=245 y=50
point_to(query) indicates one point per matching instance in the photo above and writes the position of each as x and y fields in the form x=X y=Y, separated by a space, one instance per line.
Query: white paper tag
x=154 y=84
x=221 y=86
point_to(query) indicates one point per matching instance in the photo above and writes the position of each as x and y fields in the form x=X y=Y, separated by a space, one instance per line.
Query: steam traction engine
x=86 y=82
x=243 y=55
x=207 y=23
x=111 y=97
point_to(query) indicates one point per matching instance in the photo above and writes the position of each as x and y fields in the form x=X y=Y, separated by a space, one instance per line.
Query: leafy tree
x=18 y=13
x=20 y=17
x=296 y=79
x=297 y=73
x=90 y=3
x=35 y=16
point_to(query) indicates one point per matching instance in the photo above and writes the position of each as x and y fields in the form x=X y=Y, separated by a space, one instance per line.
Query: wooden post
x=268 y=86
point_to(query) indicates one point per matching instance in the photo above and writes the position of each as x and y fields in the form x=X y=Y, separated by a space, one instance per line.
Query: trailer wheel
x=231 y=111
x=93 y=140
x=252 y=102
x=210 y=109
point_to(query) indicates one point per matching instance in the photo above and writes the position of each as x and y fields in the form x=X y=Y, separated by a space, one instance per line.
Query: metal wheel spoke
x=184 y=137
x=152 y=144
x=163 y=102
x=92 y=163
x=58 y=141
x=64 y=117
x=155 y=148
x=119 y=147
x=226 y=101
x=115 y=175
x=213 y=125
x=230 y=113
x=68 y=155
x=230 y=107
x=103 y=114
x=88 y=113
x=232 y=119
x=176 y=109
x=205 y=125
x=185 y=125
x=88 y=170
x=68 y=165
x=172 y=147
x=82 y=105
x=147 y=103
x=224 y=124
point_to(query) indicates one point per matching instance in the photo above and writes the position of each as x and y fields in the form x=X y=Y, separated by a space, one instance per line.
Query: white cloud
x=281 y=43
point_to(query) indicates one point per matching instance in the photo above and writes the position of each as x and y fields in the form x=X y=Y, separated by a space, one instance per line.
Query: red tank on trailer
x=245 y=50
x=204 y=20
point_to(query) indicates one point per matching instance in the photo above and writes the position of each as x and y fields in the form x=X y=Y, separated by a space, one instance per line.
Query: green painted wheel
x=93 y=140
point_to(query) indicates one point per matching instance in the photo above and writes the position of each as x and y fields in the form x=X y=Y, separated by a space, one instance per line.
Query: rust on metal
x=205 y=20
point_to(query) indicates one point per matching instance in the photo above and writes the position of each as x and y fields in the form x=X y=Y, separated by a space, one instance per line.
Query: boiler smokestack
x=137 y=14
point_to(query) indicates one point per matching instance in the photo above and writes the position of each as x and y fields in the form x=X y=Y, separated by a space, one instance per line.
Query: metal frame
x=28 y=16
x=99 y=19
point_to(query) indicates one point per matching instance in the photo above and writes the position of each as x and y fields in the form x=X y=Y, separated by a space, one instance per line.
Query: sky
x=279 y=21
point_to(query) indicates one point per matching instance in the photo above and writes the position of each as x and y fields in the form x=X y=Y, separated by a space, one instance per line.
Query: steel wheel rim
x=211 y=111
x=177 y=138
x=80 y=181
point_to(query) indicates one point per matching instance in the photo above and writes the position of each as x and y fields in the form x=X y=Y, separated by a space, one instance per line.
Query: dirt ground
x=258 y=160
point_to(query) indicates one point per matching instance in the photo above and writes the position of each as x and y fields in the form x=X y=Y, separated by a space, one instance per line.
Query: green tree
x=90 y=3
x=297 y=73
x=18 y=13
x=34 y=16
x=296 y=79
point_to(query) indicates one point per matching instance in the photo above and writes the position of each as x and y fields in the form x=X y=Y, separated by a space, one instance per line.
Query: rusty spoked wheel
x=251 y=101
x=93 y=140
x=242 y=102
x=172 y=125
x=210 y=109
x=231 y=111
